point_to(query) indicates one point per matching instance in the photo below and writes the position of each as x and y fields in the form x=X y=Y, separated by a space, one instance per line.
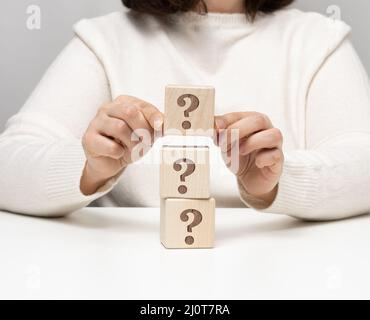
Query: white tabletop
x=116 y=253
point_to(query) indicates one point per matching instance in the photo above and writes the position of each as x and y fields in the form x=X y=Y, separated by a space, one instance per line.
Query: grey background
x=26 y=54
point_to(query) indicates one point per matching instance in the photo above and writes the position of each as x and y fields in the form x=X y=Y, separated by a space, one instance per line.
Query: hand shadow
x=96 y=219
x=283 y=226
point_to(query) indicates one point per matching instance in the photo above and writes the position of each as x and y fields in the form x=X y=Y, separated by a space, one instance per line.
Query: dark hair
x=165 y=7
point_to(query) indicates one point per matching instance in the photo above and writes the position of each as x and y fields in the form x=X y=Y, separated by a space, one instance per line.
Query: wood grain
x=189 y=110
x=176 y=217
x=184 y=172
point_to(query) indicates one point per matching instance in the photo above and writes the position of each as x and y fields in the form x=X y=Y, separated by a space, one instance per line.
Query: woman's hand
x=260 y=151
x=112 y=136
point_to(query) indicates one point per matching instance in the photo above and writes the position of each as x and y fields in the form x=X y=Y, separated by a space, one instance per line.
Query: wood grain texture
x=177 y=218
x=189 y=110
x=184 y=172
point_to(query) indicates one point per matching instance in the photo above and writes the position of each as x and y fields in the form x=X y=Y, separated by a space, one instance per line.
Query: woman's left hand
x=260 y=151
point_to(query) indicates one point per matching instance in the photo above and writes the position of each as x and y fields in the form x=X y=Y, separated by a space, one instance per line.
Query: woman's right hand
x=112 y=136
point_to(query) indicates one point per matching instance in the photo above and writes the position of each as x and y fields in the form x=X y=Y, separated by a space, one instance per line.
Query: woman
x=278 y=73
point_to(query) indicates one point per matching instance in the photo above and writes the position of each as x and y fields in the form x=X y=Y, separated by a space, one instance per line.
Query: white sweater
x=298 y=68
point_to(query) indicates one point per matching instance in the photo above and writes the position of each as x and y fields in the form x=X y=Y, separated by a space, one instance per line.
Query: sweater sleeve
x=41 y=155
x=330 y=179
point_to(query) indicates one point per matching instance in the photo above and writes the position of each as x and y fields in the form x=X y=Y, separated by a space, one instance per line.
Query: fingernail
x=158 y=123
x=220 y=124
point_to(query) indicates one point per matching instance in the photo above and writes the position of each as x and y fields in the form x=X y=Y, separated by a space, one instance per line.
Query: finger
x=226 y=120
x=267 y=139
x=220 y=123
x=98 y=145
x=118 y=130
x=272 y=158
x=251 y=124
x=224 y=137
x=132 y=116
x=152 y=115
x=220 y=126
x=248 y=124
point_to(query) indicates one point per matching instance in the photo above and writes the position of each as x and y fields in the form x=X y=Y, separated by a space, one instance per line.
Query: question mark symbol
x=189 y=240
x=189 y=171
x=193 y=106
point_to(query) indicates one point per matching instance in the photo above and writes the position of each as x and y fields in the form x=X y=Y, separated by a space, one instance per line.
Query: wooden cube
x=187 y=223
x=189 y=110
x=184 y=172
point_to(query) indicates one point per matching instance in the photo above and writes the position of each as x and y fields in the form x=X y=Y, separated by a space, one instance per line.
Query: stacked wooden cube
x=187 y=210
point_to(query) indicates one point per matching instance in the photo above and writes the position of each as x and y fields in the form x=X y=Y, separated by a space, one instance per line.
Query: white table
x=116 y=253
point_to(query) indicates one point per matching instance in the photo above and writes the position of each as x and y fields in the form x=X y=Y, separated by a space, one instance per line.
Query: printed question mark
x=189 y=240
x=193 y=106
x=189 y=171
